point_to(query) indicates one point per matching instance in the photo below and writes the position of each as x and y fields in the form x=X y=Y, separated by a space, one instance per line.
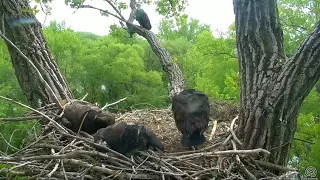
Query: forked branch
x=177 y=82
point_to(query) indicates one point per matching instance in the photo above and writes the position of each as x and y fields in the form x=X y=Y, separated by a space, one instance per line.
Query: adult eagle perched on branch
x=142 y=18
x=191 y=111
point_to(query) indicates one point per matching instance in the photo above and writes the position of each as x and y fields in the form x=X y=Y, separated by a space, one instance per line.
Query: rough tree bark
x=42 y=83
x=272 y=87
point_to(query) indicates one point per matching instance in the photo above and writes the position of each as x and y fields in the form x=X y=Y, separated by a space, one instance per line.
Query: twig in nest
x=227 y=152
x=45 y=167
x=213 y=130
x=57 y=125
x=205 y=171
x=108 y=105
x=21 y=165
x=84 y=117
x=242 y=167
x=285 y=176
x=32 y=144
x=64 y=171
x=232 y=132
x=168 y=164
x=100 y=146
x=274 y=166
x=15 y=119
x=199 y=150
x=55 y=166
x=84 y=97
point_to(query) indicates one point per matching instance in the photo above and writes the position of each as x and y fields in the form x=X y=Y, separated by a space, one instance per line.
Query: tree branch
x=177 y=82
x=105 y=11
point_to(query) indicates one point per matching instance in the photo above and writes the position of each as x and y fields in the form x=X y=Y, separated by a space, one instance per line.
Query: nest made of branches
x=59 y=153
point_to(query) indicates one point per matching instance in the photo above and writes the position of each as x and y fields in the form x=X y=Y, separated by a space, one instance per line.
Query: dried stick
x=84 y=97
x=98 y=145
x=30 y=145
x=274 y=166
x=227 y=152
x=213 y=130
x=106 y=170
x=55 y=166
x=199 y=150
x=105 y=11
x=242 y=167
x=64 y=171
x=57 y=125
x=226 y=140
x=15 y=119
x=108 y=105
x=204 y=171
x=84 y=117
x=232 y=132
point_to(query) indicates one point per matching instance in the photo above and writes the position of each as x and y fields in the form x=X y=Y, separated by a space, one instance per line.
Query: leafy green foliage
x=298 y=18
x=211 y=66
x=107 y=68
x=170 y=29
x=308 y=129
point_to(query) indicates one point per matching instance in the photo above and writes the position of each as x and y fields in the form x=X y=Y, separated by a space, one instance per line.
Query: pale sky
x=216 y=13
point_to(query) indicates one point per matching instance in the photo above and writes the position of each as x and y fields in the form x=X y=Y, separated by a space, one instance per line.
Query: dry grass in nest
x=162 y=123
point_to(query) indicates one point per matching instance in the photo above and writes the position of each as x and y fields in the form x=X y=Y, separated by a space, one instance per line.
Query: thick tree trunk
x=42 y=83
x=272 y=87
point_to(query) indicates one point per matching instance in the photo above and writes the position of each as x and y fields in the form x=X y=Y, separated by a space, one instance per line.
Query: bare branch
x=15 y=119
x=177 y=82
x=108 y=105
x=112 y=5
x=38 y=112
x=213 y=130
x=105 y=11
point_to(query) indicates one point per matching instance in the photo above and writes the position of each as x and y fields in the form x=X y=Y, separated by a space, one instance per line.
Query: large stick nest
x=61 y=154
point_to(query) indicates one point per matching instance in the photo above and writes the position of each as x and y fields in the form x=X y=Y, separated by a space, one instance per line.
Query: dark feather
x=125 y=138
x=93 y=118
x=143 y=19
x=191 y=111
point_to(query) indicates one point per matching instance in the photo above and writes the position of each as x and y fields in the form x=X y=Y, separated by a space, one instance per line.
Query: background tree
x=176 y=80
x=37 y=72
x=272 y=86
